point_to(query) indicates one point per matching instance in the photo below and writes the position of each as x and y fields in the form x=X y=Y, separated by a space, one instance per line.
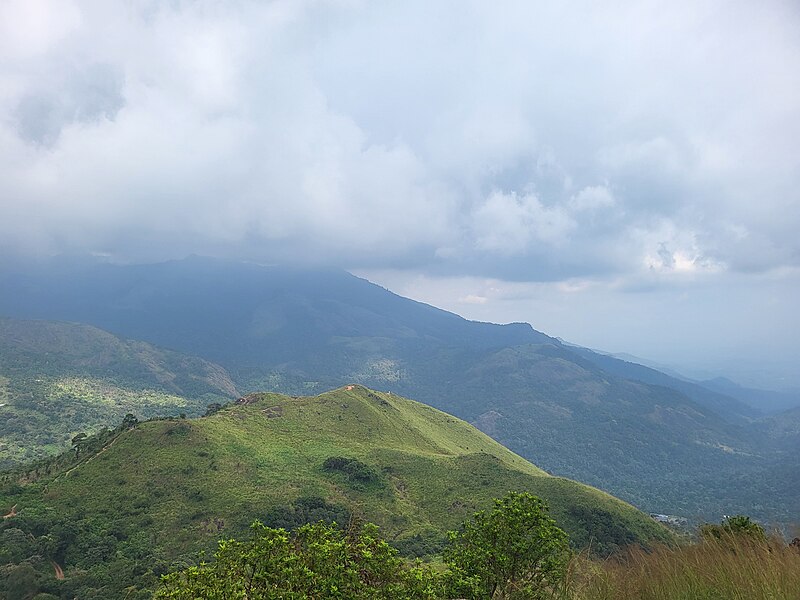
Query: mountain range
x=662 y=443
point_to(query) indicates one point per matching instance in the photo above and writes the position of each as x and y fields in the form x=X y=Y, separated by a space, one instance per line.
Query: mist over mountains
x=664 y=444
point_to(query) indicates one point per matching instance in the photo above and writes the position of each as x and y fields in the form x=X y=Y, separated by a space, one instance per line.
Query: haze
x=622 y=176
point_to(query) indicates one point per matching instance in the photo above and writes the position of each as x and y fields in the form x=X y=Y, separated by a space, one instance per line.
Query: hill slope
x=58 y=379
x=414 y=470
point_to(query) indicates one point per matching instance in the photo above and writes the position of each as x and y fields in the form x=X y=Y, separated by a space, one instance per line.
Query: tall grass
x=731 y=568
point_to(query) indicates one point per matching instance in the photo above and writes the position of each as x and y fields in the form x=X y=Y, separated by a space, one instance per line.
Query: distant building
x=670 y=520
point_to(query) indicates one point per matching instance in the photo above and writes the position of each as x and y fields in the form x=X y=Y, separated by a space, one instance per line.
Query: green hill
x=156 y=494
x=59 y=379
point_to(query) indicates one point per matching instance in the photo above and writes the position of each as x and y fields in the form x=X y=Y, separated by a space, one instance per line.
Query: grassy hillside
x=168 y=488
x=59 y=379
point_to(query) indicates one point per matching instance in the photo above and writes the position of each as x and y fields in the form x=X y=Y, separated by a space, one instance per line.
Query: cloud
x=508 y=224
x=530 y=143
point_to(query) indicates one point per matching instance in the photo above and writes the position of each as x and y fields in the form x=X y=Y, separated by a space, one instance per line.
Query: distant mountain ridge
x=659 y=442
x=241 y=307
x=726 y=406
x=768 y=401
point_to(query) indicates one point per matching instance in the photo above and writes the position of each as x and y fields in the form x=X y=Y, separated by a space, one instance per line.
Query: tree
x=513 y=551
x=738 y=525
x=79 y=443
x=316 y=561
x=129 y=421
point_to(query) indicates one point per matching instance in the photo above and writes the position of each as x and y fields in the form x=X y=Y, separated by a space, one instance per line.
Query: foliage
x=316 y=561
x=740 y=567
x=60 y=379
x=306 y=509
x=513 y=551
x=355 y=470
x=738 y=525
x=100 y=517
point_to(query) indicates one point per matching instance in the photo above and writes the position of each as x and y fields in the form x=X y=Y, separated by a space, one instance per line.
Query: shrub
x=513 y=551
x=355 y=470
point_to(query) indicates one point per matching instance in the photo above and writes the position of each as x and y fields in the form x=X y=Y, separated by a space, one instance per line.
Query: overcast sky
x=623 y=175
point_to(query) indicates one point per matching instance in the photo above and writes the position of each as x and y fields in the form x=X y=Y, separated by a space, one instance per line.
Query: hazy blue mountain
x=727 y=405
x=242 y=315
x=766 y=401
x=663 y=444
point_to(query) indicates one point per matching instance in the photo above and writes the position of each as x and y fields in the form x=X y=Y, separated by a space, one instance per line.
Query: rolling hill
x=157 y=493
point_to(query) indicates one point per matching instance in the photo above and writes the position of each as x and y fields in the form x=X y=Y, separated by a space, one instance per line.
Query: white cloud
x=508 y=224
x=516 y=140
x=592 y=198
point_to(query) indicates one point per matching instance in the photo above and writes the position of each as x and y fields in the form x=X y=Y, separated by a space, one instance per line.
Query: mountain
x=58 y=379
x=244 y=315
x=155 y=494
x=727 y=406
x=661 y=443
x=766 y=401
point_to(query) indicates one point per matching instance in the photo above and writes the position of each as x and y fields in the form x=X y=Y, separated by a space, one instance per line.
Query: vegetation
x=351 y=454
x=731 y=567
x=511 y=552
x=58 y=380
x=514 y=551
x=736 y=527
x=316 y=561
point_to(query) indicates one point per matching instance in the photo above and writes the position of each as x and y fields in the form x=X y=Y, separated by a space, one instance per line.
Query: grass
x=733 y=568
x=433 y=471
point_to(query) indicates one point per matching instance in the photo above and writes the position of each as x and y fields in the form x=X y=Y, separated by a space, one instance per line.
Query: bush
x=317 y=561
x=306 y=509
x=355 y=470
x=738 y=525
x=513 y=551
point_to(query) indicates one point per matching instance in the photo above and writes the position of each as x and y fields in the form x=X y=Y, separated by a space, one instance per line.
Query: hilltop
x=159 y=492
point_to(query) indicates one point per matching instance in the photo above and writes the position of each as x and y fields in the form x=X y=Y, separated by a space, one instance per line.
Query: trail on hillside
x=88 y=460
x=57 y=569
x=11 y=513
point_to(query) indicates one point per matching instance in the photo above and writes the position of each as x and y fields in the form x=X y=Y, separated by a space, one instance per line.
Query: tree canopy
x=513 y=551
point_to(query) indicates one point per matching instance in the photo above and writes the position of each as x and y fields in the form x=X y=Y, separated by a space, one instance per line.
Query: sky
x=623 y=175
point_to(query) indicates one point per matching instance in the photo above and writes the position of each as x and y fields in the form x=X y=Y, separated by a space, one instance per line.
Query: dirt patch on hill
x=59 y=572
x=273 y=412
